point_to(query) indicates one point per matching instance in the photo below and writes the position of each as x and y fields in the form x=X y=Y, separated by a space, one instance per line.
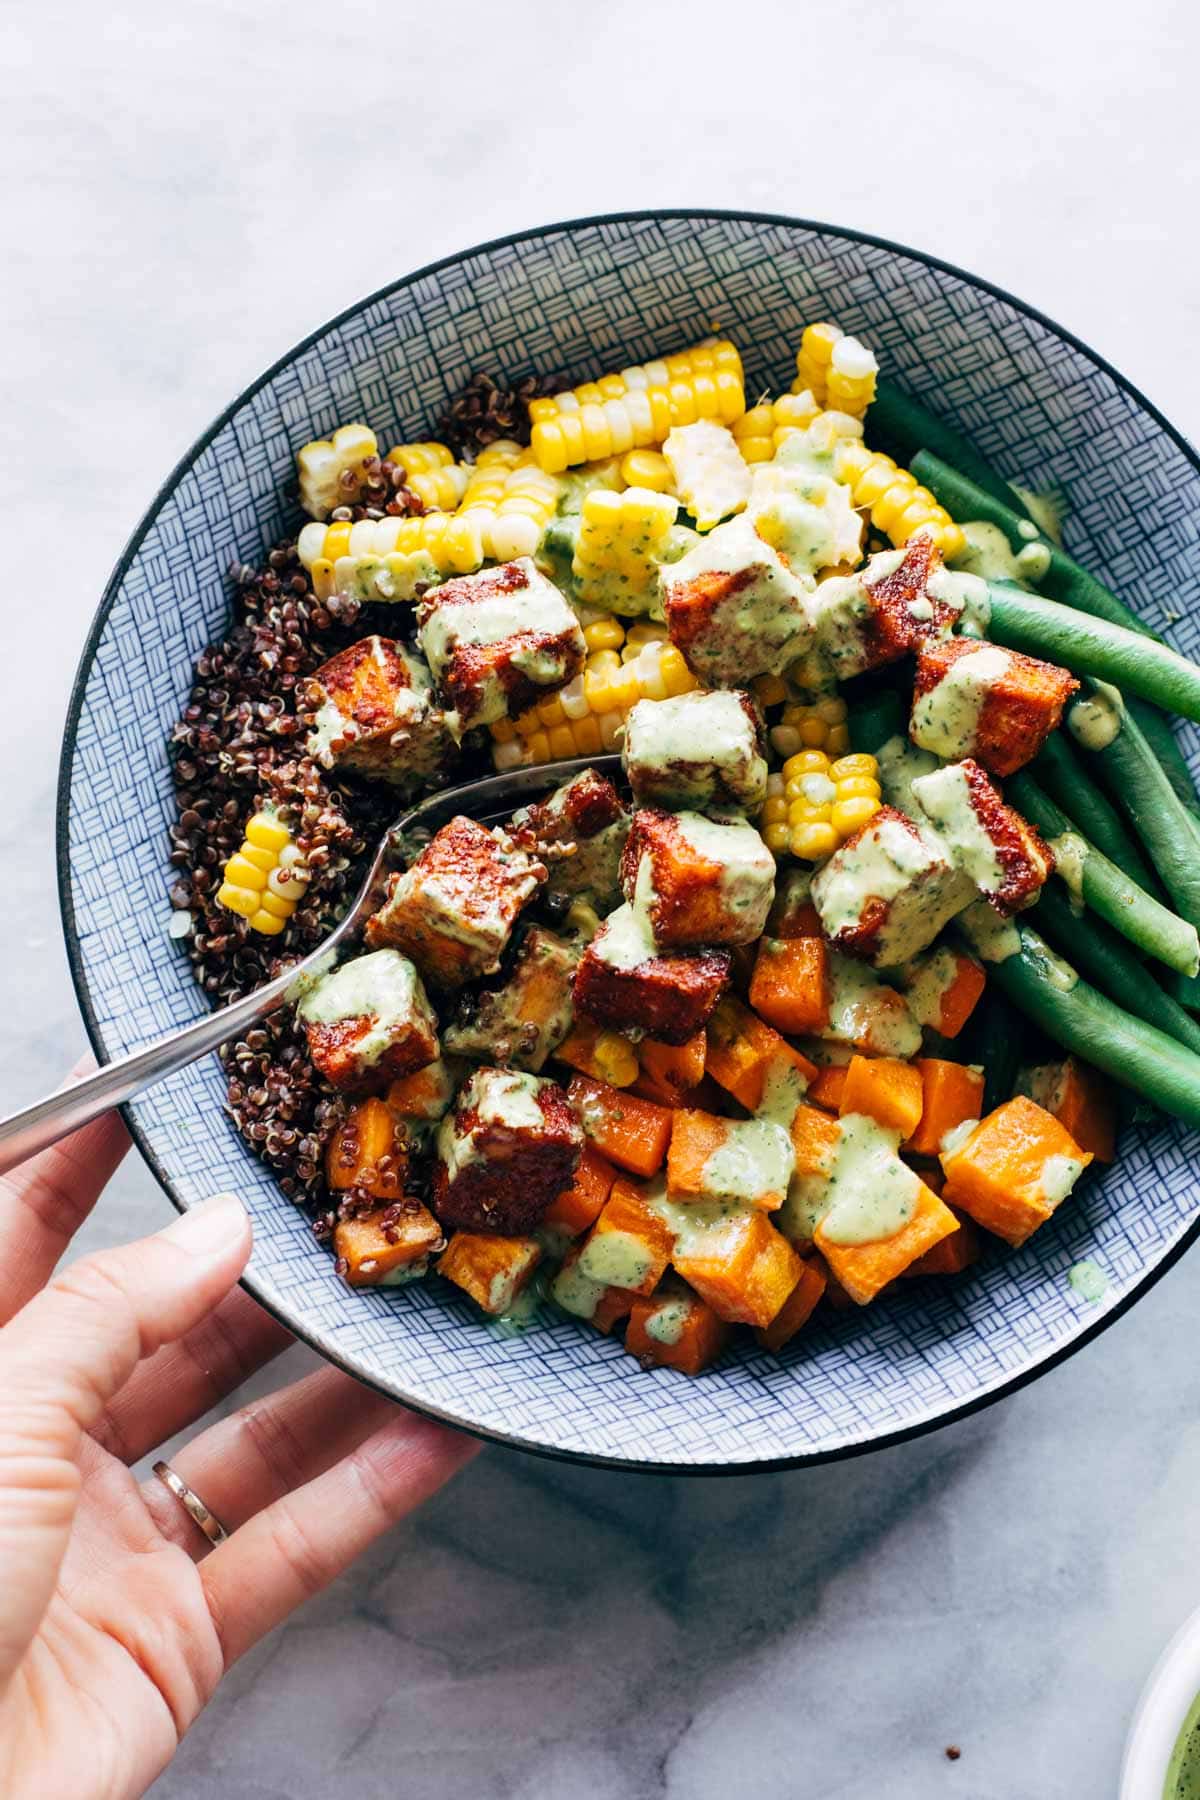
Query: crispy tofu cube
x=737 y=1262
x=579 y=833
x=623 y=982
x=897 y=601
x=492 y=1269
x=867 y=1013
x=376 y=713
x=988 y=840
x=887 y=891
x=368 y=1151
x=388 y=1247
x=497 y=642
x=369 y=1021
x=745 y=1160
x=511 y=1143
x=520 y=1022
x=630 y=1245
x=703 y=881
x=601 y=1304
x=1012 y=1171
x=971 y=698
x=675 y=1330
x=696 y=750
x=734 y=608
x=453 y=911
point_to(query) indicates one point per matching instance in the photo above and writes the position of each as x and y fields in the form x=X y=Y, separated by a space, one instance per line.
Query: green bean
x=1136 y=780
x=1158 y=733
x=1111 y=965
x=1062 y=775
x=1093 y=646
x=874 y=720
x=1080 y=1018
x=1107 y=889
x=905 y=426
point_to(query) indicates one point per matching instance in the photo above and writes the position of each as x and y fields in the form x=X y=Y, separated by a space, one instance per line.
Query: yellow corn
x=586 y=717
x=647 y=469
x=646 y=631
x=615 y=1059
x=264 y=880
x=512 y=504
x=836 y=370
x=622 y=538
x=899 y=507
x=323 y=463
x=432 y=473
x=383 y=559
x=819 y=726
x=823 y=801
x=760 y=431
x=639 y=406
x=769 y=690
x=711 y=477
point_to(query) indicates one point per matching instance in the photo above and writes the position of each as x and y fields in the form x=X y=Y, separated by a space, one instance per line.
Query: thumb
x=62 y=1359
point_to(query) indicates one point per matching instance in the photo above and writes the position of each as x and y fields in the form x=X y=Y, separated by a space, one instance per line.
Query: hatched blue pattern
x=580 y=299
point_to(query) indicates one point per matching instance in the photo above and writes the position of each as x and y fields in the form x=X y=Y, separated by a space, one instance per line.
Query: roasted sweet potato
x=1013 y=1169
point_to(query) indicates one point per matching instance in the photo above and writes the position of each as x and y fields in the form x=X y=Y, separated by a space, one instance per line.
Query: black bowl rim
x=628 y=1465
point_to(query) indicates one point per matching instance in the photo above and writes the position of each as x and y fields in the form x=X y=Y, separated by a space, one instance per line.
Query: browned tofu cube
x=497 y=642
x=579 y=833
x=454 y=910
x=622 y=981
x=897 y=601
x=388 y=1247
x=375 y=712
x=369 y=1021
x=704 y=881
x=520 y=1022
x=511 y=1143
x=734 y=608
x=887 y=891
x=1003 y=855
x=696 y=750
x=971 y=698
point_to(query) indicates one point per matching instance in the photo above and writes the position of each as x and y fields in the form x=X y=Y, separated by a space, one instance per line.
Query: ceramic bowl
x=584 y=297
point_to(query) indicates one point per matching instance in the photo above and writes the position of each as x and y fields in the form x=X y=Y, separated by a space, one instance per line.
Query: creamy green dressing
x=926 y=984
x=676 y=749
x=576 y=1292
x=863 y=1011
x=747 y=867
x=958 y=1135
x=1070 y=854
x=1044 y=1085
x=1097 y=719
x=842 y=607
x=992 y=938
x=1058 y=973
x=616 y=1259
x=626 y=939
x=900 y=763
x=765 y=622
x=946 y=719
x=1058 y=1177
x=871 y=1194
x=945 y=798
x=783 y=1093
x=907 y=869
x=756 y=1158
x=503 y=1097
x=988 y=553
x=1183 y=1771
x=667 y=1323
x=806 y=515
x=383 y=987
x=964 y=594
x=711 y=476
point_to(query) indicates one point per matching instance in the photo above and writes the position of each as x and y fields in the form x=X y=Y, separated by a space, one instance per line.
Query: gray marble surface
x=188 y=190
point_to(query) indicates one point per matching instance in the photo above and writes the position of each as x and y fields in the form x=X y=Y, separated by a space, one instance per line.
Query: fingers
x=45 y=1201
x=182 y=1381
x=63 y=1358
x=300 y=1543
x=264 y=1450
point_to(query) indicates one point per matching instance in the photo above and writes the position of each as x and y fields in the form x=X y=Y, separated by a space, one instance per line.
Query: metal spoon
x=40 y=1125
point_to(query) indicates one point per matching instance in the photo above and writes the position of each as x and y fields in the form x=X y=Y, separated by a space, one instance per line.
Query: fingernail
x=209 y=1227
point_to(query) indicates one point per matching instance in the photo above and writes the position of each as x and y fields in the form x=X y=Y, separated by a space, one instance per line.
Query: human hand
x=118 y=1618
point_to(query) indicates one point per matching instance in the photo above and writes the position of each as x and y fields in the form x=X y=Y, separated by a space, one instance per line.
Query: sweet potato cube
x=864 y=1269
x=815 y=1140
x=676 y=1331
x=380 y=1247
x=424 y=1095
x=673 y=1070
x=742 y=1267
x=971 y=698
x=796 y=1310
x=792 y=913
x=601 y=1305
x=453 y=911
x=828 y=1086
x=492 y=1269
x=749 y=1160
x=953 y=1254
x=790 y=984
x=629 y=1246
x=578 y=1207
x=942 y=987
x=952 y=1092
x=630 y=1132
x=706 y=881
x=360 y=1146
x=603 y=1054
x=1080 y=1099
x=1013 y=1169
x=886 y=1090
x=746 y=1056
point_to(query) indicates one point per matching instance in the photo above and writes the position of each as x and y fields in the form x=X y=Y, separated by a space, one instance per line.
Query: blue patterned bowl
x=585 y=297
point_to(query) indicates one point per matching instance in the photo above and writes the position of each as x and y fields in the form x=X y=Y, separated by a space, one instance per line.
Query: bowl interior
x=583 y=298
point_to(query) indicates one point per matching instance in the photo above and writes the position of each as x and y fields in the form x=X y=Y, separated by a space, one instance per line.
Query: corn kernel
x=769 y=690
x=605 y=634
x=266 y=833
x=268 y=923
x=802 y=811
x=813 y=841
x=837 y=741
x=774 y=810
x=265 y=879
x=785 y=740
x=806 y=762
x=647 y=469
x=778 y=838
x=813 y=732
x=537 y=748
x=238 y=899
x=831 y=708
x=244 y=874
x=849 y=815
x=857 y=787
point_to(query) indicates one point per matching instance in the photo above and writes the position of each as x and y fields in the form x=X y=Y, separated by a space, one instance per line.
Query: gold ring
x=192 y=1504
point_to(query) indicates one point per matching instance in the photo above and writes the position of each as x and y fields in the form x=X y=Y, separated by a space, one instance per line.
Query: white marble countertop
x=189 y=190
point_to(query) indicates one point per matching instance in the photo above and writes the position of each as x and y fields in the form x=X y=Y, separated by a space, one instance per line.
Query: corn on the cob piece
x=819 y=725
x=760 y=431
x=621 y=543
x=816 y=804
x=586 y=717
x=711 y=477
x=265 y=880
x=324 y=462
x=511 y=504
x=638 y=406
x=432 y=473
x=385 y=559
x=899 y=507
x=837 y=370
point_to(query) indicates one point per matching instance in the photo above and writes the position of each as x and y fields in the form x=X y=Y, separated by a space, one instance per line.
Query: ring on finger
x=200 y=1514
